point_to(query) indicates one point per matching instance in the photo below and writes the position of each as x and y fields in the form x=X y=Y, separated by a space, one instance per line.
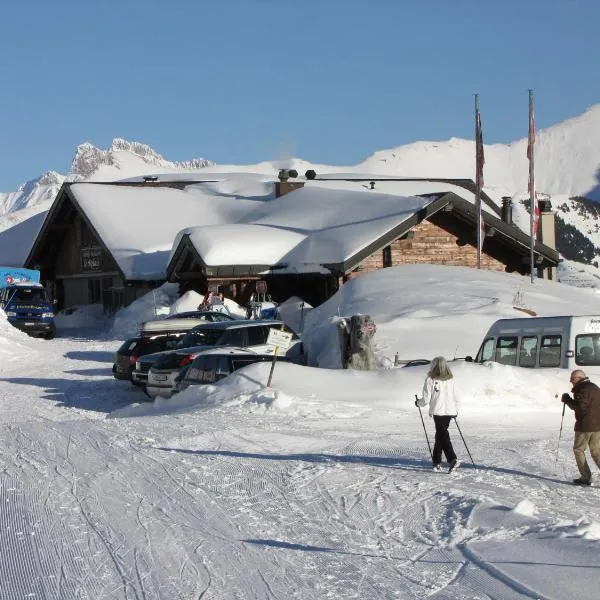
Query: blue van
x=26 y=303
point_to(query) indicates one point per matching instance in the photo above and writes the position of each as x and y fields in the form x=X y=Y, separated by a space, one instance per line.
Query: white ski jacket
x=441 y=397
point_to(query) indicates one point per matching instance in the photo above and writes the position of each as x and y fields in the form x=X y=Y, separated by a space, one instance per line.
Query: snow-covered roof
x=15 y=242
x=139 y=223
x=243 y=243
x=306 y=229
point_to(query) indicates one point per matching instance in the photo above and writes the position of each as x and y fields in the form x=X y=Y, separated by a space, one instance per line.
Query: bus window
x=587 y=349
x=486 y=352
x=528 y=351
x=550 y=351
x=506 y=350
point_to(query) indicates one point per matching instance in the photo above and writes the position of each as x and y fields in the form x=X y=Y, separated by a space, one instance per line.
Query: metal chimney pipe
x=507 y=210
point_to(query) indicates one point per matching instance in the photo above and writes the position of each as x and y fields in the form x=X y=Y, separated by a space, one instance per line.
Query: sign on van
x=283 y=339
x=592 y=326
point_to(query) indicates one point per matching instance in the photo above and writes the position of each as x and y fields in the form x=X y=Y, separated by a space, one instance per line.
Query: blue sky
x=240 y=81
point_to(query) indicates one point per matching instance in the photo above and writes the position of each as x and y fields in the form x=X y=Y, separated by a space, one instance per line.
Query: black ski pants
x=442 y=440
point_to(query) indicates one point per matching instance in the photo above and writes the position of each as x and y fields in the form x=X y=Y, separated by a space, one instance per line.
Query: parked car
x=213 y=365
x=166 y=375
x=130 y=350
x=170 y=325
x=416 y=362
x=210 y=316
x=239 y=334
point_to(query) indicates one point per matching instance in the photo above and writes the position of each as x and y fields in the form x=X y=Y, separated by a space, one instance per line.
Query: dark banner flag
x=479 y=162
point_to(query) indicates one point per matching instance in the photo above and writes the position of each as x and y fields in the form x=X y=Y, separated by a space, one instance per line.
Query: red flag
x=479 y=150
x=536 y=215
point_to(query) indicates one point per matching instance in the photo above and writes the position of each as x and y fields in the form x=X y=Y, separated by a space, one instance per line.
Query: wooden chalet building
x=113 y=242
x=439 y=230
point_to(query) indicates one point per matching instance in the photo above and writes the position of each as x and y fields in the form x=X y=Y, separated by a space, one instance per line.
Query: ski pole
x=463 y=439
x=560 y=433
x=425 y=430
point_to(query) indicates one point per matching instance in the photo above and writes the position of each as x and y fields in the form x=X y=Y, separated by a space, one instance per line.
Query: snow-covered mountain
x=567 y=169
x=123 y=159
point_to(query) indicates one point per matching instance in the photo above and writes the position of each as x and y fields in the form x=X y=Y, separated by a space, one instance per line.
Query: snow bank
x=152 y=305
x=293 y=312
x=87 y=315
x=426 y=310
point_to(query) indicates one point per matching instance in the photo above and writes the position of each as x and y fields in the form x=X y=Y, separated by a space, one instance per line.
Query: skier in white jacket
x=439 y=393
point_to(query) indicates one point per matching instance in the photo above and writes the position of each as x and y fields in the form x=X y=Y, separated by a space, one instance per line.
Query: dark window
x=25 y=294
x=506 y=350
x=196 y=370
x=257 y=335
x=199 y=337
x=209 y=371
x=127 y=346
x=550 y=351
x=528 y=351
x=233 y=337
x=223 y=367
x=94 y=291
x=587 y=349
x=387 y=256
x=244 y=361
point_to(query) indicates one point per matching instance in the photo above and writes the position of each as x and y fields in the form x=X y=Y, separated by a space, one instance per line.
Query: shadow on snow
x=98 y=396
x=396 y=462
x=91 y=355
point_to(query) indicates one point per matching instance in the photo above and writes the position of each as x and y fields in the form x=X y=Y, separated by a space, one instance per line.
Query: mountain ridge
x=567 y=165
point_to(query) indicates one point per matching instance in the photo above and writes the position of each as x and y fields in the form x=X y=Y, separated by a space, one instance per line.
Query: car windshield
x=27 y=294
x=200 y=337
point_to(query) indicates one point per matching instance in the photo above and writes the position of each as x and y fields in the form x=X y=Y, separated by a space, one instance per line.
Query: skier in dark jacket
x=586 y=404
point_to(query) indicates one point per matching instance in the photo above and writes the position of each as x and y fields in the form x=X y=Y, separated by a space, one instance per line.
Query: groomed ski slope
x=249 y=499
x=320 y=487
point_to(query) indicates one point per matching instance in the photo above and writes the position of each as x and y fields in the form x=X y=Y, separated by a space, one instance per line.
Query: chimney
x=507 y=210
x=546 y=231
x=283 y=186
x=546 y=224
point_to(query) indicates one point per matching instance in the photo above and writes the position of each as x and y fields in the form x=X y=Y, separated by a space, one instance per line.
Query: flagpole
x=531 y=142
x=477 y=181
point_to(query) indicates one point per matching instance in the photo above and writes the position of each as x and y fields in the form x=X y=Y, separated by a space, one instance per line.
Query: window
x=257 y=336
x=222 y=369
x=127 y=346
x=550 y=351
x=387 y=257
x=209 y=370
x=528 y=351
x=233 y=337
x=25 y=294
x=587 y=349
x=486 y=352
x=94 y=291
x=506 y=350
x=194 y=373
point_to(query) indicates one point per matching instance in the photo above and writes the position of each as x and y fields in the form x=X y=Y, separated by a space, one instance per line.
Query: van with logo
x=565 y=342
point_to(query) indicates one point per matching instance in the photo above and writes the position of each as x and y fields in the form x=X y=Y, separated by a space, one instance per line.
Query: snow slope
x=319 y=487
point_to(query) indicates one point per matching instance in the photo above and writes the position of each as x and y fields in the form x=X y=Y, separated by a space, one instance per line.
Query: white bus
x=567 y=342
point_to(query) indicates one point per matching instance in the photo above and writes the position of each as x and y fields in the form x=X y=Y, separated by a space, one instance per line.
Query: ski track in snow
x=211 y=504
